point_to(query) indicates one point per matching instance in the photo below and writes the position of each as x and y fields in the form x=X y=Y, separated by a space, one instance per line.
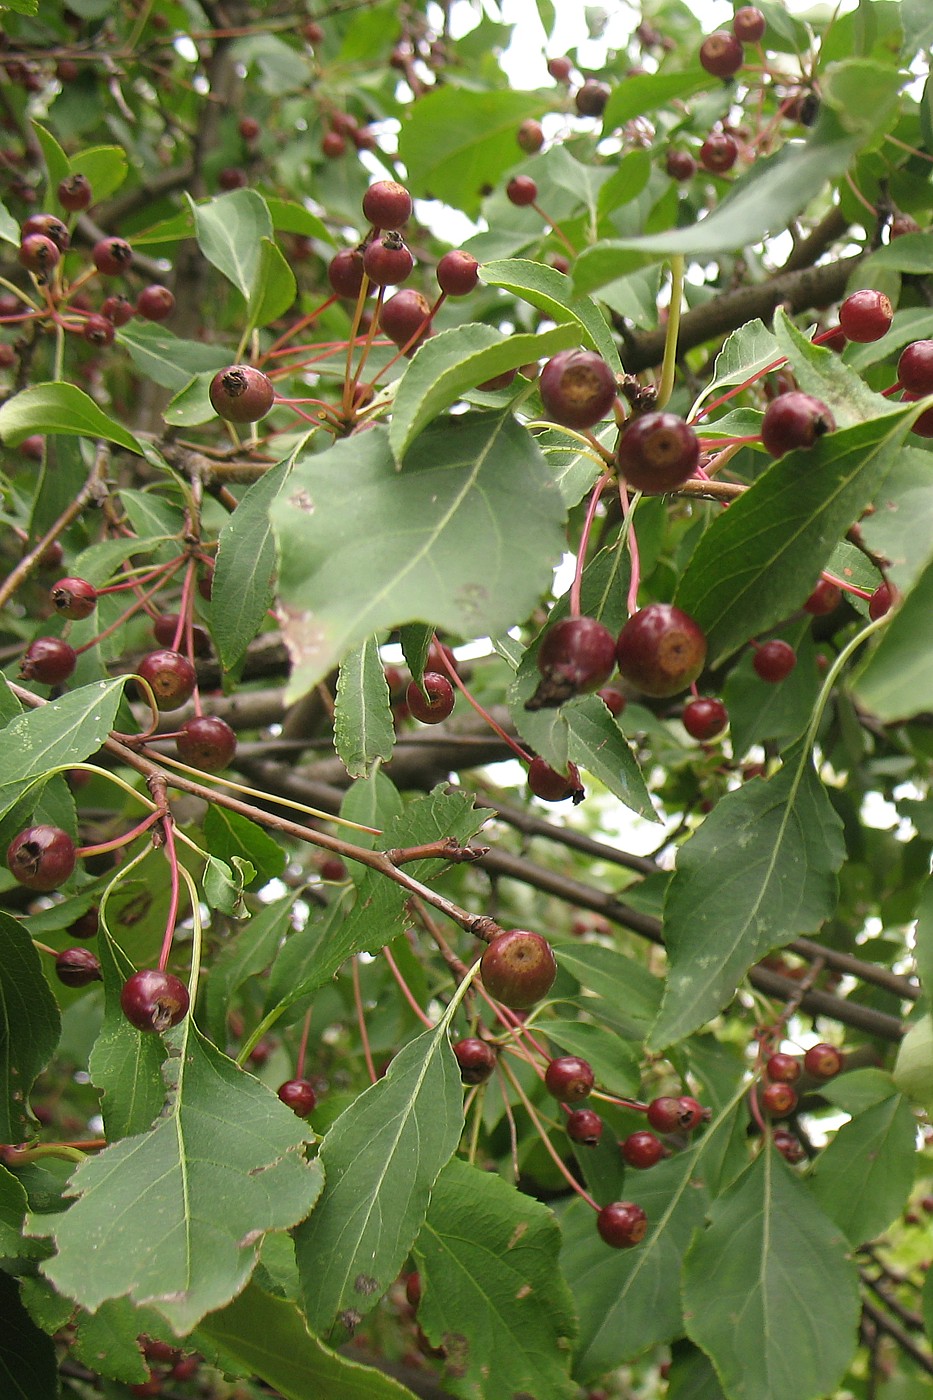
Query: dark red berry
x=118 y=309
x=560 y=68
x=405 y=316
x=794 y=420
x=591 y=97
x=882 y=600
x=73 y=597
x=441 y=657
x=530 y=136
x=614 y=699
x=98 y=331
x=748 y=24
x=333 y=869
x=171 y=677
x=166 y=628
x=692 y=1113
x=75 y=193
x=622 y=1224
x=704 y=718
x=387 y=205
x=413 y=1289
x=719 y=152
x=722 y=54
x=569 y=1078
x=576 y=655
x=241 y=394
x=345 y=273
x=112 y=256
x=665 y=1114
x=50 y=227
x=518 y=968
x=577 y=388
x=521 y=190
x=901 y=224
x=778 y=1100
x=866 y=316
x=41 y=857
x=298 y=1095
x=206 y=742
x=788 y=1146
x=249 y=128
x=77 y=967
x=545 y=782
x=476 y=1059
x=7 y=355
x=39 y=254
x=915 y=367
x=86 y=925
x=387 y=261
x=680 y=165
x=155 y=303
x=641 y=1150
x=498 y=381
x=774 y=661
x=333 y=145
x=658 y=452
x=823 y=1061
x=48 y=660
x=153 y=1000
x=824 y=599
x=584 y=1126
x=457 y=273
x=312 y=33
x=661 y=650
x=782 y=1069
x=432 y=703
x=232 y=177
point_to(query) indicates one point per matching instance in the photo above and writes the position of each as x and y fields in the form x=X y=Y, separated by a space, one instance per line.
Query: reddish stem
x=405 y=989
x=102 y=847
x=577 y=584
x=484 y=714
x=546 y=1139
x=361 y=1020
x=172 y=856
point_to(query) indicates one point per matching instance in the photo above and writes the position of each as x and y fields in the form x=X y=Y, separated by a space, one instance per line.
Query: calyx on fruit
x=661 y=650
x=518 y=968
x=576 y=655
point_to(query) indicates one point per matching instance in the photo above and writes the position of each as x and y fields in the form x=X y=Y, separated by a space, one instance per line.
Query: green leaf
x=642 y=93
x=107 y=1341
x=416 y=643
x=449 y=365
x=289 y=217
x=242 y=593
x=759 y=559
x=66 y=730
x=629 y=1299
x=125 y=1064
x=901 y=526
x=619 y=979
x=913 y=1069
x=595 y=742
x=29 y=1027
x=230 y=230
x=492 y=1292
x=56 y=162
x=268 y=1337
x=245 y=957
x=13 y=1204
x=232 y=836
x=760 y=871
x=10 y=230
x=454 y=142
x=28 y=1365
x=746 y=352
x=60 y=408
x=192 y=406
x=381 y=1159
x=821 y=372
x=165 y=358
x=895 y=680
x=615 y=1062
x=22 y=7
x=552 y=292
x=105 y=166
x=768 y=1291
x=439 y=542
x=223 y=885
x=274 y=289
x=174 y=1217
x=364 y=732
x=863 y=1178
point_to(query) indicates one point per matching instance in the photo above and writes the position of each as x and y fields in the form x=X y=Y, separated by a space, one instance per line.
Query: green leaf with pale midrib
x=863 y=1178
x=242 y=592
x=364 y=732
x=29 y=1027
x=56 y=407
x=552 y=292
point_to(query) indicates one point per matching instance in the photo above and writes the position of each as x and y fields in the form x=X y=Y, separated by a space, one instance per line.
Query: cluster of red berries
x=782 y=1071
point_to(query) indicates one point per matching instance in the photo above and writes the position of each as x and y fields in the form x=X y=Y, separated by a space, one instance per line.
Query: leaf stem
x=669 y=363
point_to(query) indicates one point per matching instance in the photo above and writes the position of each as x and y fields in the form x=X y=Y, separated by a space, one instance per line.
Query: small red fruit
x=232 y=177
x=774 y=661
x=111 y=256
x=704 y=718
x=457 y=273
x=155 y=303
x=585 y=1127
x=241 y=394
x=722 y=54
x=882 y=600
x=476 y=1058
x=206 y=742
x=387 y=205
x=866 y=316
x=680 y=165
x=782 y=1069
x=692 y=1113
x=521 y=190
x=591 y=97
x=118 y=309
x=719 y=152
x=614 y=699
x=794 y=420
x=577 y=388
x=39 y=254
x=823 y=1061
x=576 y=655
x=75 y=193
x=171 y=677
x=48 y=660
x=641 y=1150
x=298 y=1095
x=622 y=1224
x=413 y=1289
x=387 y=261
x=824 y=599
x=569 y=1078
x=748 y=24
x=433 y=703
x=778 y=1100
x=658 y=452
x=915 y=367
x=153 y=1000
x=405 y=316
x=560 y=68
x=530 y=136
x=661 y=650
x=518 y=968
x=99 y=331
x=73 y=597
x=50 y=227
x=249 y=128
x=545 y=782
x=345 y=273
x=41 y=857
x=77 y=967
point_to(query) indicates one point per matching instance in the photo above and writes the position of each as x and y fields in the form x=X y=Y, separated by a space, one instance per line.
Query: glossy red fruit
x=118 y=309
x=518 y=968
x=794 y=420
x=521 y=190
x=577 y=388
x=476 y=1058
x=39 y=254
x=576 y=655
x=155 y=303
x=433 y=703
x=75 y=193
x=241 y=394
x=333 y=869
x=345 y=273
x=171 y=677
x=782 y=1069
x=866 y=316
x=658 y=452
x=111 y=256
x=457 y=273
x=591 y=97
x=692 y=1113
x=915 y=367
x=748 y=24
x=298 y=1095
x=77 y=967
x=206 y=742
x=440 y=657
x=641 y=1150
x=387 y=261
x=165 y=629
x=622 y=1224
x=387 y=205
x=614 y=699
x=73 y=597
x=788 y=1146
x=41 y=857
x=86 y=925
x=823 y=1061
x=560 y=68
x=719 y=152
x=153 y=1000
x=882 y=600
x=530 y=136
x=585 y=1127
x=704 y=718
x=722 y=54
x=545 y=782
x=778 y=1100
x=774 y=661
x=48 y=660
x=405 y=316
x=824 y=599
x=569 y=1078
x=661 y=650
x=413 y=1289
x=50 y=227
x=98 y=331
x=680 y=165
